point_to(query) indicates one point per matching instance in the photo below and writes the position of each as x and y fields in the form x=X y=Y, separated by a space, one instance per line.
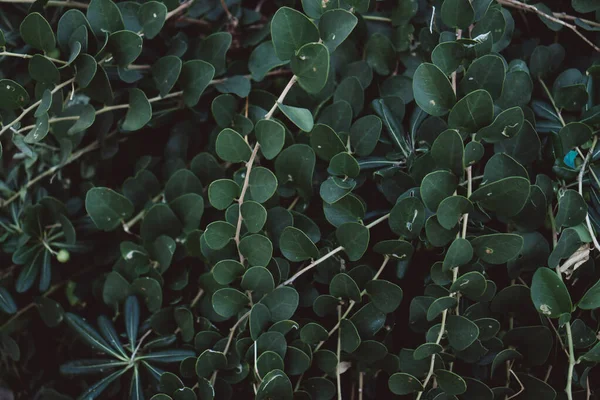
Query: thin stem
x=331 y=253
x=352 y=303
x=339 y=353
x=573 y=18
x=27 y=56
x=128 y=225
x=520 y=384
x=469 y=192
x=528 y=7
x=281 y=97
x=250 y=164
x=568 y=389
x=458 y=36
x=46 y=294
x=179 y=9
x=586 y=160
x=361 y=376
x=238 y=228
x=229 y=339
x=92 y=146
x=34 y=105
x=73 y=4
x=553 y=226
x=376 y=18
x=562 y=121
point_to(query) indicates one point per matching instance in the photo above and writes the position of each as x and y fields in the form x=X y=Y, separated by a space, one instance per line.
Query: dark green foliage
x=217 y=199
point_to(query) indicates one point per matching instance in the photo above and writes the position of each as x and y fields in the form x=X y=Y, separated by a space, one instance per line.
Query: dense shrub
x=307 y=199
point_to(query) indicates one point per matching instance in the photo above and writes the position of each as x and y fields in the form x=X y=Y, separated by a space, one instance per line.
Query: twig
x=28 y=56
x=568 y=389
x=586 y=160
x=562 y=121
x=361 y=376
x=326 y=256
x=520 y=384
x=528 y=7
x=73 y=4
x=573 y=18
x=34 y=105
x=128 y=225
x=92 y=146
x=351 y=305
x=179 y=9
x=250 y=164
x=226 y=349
x=376 y=18
x=458 y=36
x=339 y=355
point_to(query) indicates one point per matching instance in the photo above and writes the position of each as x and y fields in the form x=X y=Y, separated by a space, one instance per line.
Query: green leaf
x=439 y=306
x=437 y=186
x=194 y=79
x=39 y=131
x=282 y=303
x=132 y=319
x=257 y=249
x=260 y=317
x=262 y=60
x=148 y=289
x=407 y=217
x=254 y=216
x=506 y=125
x=301 y=117
x=401 y=383
x=589 y=301
x=459 y=253
x=432 y=90
x=165 y=73
x=230 y=146
x=472 y=112
x=451 y=209
x=290 y=30
x=506 y=196
x=426 y=350
x=310 y=65
x=139 y=112
x=275 y=385
x=104 y=17
x=160 y=220
x=258 y=279
x=447 y=56
x=7 y=303
x=295 y=165
x=228 y=302
x=572 y=209
x=334 y=189
x=497 y=248
x=451 y=383
x=386 y=296
x=262 y=184
x=43 y=70
x=226 y=271
x=344 y=165
x=342 y=285
x=485 y=73
x=152 y=16
x=12 y=95
x=296 y=245
x=335 y=26
x=213 y=49
x=86 y=70
x=222 y=192
x=313 y=333
x=364 y=134
x=458 y=13
x=36 y=32
x=354 y=237
x=209 y=362
x=472 y=284
x=125 y=46
x=593 y=354
x=380 y=54
x=325 y=142
x=271 y=137
x=89 y=334
x=549 y=294
x=316 y=8
x=107 y=208
x=87 y=116
x=448 y=150
x=218 y=234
